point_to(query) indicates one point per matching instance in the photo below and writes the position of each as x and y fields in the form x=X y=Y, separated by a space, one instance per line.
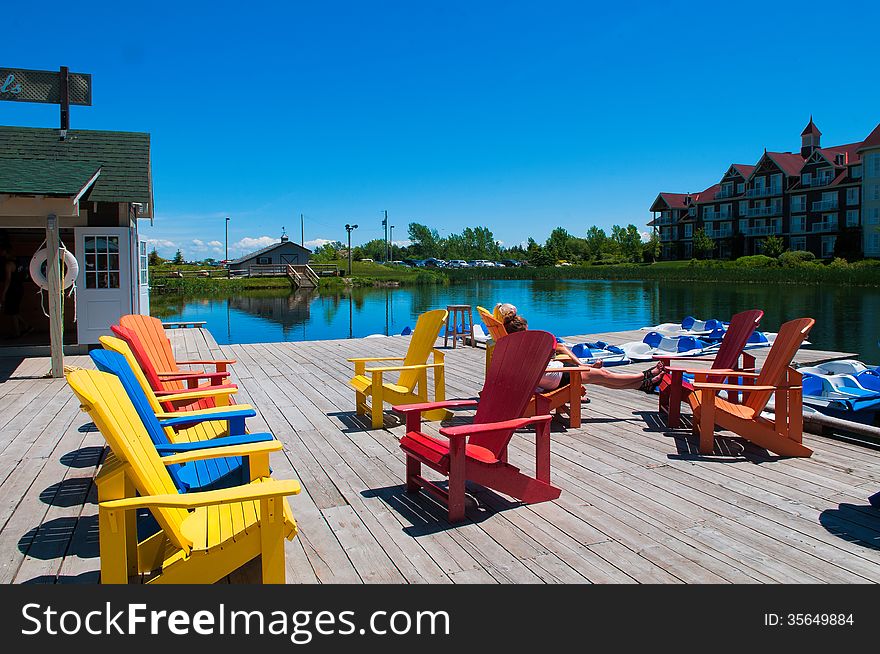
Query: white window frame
x=797 y=243
x=852 y=195
x=852 y=217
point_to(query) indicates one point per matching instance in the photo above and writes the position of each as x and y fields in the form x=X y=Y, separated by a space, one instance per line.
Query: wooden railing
x=302 y=275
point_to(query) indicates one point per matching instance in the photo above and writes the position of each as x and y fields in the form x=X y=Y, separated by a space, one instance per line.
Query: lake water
x=846 y=316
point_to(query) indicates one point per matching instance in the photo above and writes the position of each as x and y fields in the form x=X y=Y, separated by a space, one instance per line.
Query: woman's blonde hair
x=502 y=310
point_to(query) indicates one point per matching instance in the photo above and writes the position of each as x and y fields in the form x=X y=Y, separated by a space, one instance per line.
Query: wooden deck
x=638 y=503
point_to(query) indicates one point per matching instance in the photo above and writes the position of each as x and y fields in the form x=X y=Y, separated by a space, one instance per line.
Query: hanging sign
x=24 y=85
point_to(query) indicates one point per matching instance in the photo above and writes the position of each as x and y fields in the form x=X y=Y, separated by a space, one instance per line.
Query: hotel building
x=810 y=199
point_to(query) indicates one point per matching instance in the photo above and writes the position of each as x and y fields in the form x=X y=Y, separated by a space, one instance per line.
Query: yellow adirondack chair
x=200 y=432
x=204 y=536
x=412 y=385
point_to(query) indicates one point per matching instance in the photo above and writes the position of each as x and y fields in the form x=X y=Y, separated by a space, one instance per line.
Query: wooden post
x=53 y=274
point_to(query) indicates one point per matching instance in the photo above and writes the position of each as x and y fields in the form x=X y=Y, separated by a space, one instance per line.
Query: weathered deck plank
x=638 y=503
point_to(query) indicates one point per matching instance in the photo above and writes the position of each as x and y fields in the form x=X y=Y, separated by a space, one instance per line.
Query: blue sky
x=521 y=116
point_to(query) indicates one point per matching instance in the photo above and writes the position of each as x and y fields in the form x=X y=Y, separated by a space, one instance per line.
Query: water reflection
x=846 y=316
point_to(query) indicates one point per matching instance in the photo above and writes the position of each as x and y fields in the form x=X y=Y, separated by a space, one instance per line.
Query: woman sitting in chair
x=645 y=381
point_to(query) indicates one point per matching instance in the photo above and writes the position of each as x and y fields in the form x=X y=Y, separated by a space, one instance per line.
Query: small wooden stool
x=467 y=322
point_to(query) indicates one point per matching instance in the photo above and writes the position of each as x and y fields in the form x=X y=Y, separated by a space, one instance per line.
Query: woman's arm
x=563 y=349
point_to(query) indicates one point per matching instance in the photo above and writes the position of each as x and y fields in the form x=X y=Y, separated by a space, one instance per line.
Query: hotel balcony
x=818 y=181
x=719 y=233
x=767 y=230
x=763 y=192
x=824 y=205
x=824 y=227
x=717 y=215
x=723 y=195
x=763 y=211
x=668 y=234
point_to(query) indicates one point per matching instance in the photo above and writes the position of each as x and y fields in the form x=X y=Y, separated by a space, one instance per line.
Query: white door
x=104 y=286
x=142 y=264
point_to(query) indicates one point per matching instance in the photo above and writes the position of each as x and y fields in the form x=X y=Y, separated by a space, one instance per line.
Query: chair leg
x=413 y=470
x=377 y=403
x=272 y=540
x=455 y=502
x=112 y=542
x=707 y=424
x=673 y=408
x=360 y=403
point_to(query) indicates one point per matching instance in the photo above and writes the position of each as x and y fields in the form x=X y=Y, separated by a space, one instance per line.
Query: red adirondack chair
x=674 y=390
x=164 y=384
x=478 y=451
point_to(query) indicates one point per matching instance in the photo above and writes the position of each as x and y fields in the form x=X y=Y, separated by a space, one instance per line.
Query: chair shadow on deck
x=357 y=423
x=84 y=457
x=61 y=537
x=429 y=517
x=69 y=492
x=728 y=449
x=857 y=524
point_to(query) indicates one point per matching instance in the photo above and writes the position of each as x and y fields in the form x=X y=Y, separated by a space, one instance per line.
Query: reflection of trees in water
x=166 y=306
x=288 y=310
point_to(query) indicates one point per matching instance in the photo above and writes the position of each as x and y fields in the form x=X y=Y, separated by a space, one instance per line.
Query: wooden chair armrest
x=516 y=423
x=255 y=491
x=428 y=406
x=195 y=394
x=742 y=387
x=261 y=447
x=356 y=359
x=399 y=368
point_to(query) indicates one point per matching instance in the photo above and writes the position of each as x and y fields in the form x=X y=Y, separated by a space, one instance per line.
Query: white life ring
x=38 y=263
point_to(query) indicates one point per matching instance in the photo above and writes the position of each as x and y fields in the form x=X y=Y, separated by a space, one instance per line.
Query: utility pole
x=391 y=244
x=302 y=227
x=349 y=228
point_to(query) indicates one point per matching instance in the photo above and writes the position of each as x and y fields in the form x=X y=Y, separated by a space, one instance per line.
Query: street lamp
x=349 y=228
x=227 y=246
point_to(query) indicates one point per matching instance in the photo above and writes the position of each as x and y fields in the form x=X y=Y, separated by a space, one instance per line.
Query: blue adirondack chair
x=209 y=474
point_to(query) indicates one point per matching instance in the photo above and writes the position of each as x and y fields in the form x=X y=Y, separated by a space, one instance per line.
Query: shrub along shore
x=788 y=268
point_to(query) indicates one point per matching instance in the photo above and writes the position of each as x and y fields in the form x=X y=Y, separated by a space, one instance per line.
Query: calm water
x=846 y=317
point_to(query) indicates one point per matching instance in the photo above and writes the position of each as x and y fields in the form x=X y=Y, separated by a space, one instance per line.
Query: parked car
x=434 y=263
x=458 y=263
x=366 y=260
x=511 y=263
x=482 y=263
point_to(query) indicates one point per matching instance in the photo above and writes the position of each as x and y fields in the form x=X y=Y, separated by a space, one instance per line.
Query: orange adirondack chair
x=567 y=396
x=673 y=389
x=157 y=346
x=165 y=384
x=478 y=452
x=777 y=379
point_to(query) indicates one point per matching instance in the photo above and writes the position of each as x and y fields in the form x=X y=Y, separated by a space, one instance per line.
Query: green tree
x=154 y=258
x=557 y=245
x=773 y=246
x=651 y=248
x=328 y=252
x=178 y=258
x=597 y=241
x=703 y=245
x=628 y=240
x=425 y=241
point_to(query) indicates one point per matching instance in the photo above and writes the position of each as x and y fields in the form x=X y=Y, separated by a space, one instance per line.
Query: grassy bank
x=857 y=274
x=754 y=270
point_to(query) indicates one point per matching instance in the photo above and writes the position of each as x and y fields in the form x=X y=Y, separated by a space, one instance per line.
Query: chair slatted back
x=517 y=366
x=742 y=326
x=152 y=336
x=103 y=397
x=203 y=431
x=495 y=326
x=422 y=343
x=789 y=339
x=151 y=372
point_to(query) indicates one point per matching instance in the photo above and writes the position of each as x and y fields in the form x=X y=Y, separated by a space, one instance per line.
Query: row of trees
x=623 y=244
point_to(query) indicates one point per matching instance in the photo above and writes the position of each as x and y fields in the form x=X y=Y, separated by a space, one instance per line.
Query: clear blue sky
x=516 y=115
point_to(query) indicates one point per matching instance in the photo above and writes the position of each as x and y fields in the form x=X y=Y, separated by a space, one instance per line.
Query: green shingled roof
x=34 y=157
x=33 y=177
